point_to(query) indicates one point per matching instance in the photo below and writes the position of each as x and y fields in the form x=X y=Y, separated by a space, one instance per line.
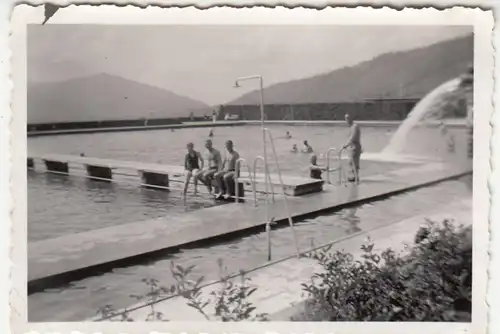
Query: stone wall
x=386 y=110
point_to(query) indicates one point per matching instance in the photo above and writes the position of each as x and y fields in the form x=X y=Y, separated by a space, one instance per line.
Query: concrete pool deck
x=134 y=128
x=163 y=174
x=56 y=261
x=279 y=291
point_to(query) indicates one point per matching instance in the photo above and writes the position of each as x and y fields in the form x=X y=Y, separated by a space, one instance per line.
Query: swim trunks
x=192 y=162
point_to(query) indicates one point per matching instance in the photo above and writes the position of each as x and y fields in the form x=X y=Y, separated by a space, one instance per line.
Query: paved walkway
x=279 y=291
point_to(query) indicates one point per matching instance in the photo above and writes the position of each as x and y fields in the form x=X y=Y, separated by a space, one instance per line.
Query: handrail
x=330 y=150
x=290 y=221
x=266 y=175
x=238 y=170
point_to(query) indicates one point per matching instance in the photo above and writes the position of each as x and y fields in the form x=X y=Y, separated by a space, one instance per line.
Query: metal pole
x=268 y=233
x=266 y=169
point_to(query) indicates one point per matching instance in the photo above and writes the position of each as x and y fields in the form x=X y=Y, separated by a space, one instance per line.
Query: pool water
x=79 y=204
x=59 y=205
x=244 y=253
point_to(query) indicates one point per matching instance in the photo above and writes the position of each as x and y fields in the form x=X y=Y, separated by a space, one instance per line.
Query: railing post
x=268 y=233
x=236 y=182
x=328 y=178
x=290 y=221
x=266 y=175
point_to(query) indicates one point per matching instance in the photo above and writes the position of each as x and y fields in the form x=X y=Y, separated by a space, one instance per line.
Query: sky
x=202 y=61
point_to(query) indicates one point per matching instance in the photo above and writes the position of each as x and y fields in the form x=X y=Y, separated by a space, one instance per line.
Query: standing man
x=214 y=164
x=354 y=146
x=228 y=173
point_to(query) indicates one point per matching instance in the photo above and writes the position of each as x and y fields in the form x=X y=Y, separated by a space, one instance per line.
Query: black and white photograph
x=245 y=170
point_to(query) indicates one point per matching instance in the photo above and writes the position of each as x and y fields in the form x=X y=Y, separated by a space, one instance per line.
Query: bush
x=431 y=282
x=230 y=301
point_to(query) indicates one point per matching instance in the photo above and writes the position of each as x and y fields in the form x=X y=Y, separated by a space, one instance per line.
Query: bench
x=231 y=191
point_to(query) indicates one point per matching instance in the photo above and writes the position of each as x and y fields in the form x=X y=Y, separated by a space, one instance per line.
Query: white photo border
x=109 y=14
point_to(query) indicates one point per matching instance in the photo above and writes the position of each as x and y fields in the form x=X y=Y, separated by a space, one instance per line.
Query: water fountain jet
x=431 y=107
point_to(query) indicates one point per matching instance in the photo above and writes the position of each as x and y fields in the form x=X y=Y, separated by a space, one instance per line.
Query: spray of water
x=430 y=107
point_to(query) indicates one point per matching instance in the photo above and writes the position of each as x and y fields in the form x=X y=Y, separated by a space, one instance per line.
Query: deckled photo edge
x=483 y=84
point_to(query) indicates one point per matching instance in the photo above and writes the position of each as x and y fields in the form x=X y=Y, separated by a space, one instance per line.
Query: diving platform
x=59 y=260
x=154 y=175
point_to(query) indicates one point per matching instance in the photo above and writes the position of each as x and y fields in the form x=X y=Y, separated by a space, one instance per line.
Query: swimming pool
x=59 y=205
x=244 y=253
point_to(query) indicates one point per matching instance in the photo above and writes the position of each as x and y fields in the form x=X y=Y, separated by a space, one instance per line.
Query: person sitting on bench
x=193 y=164
x=226 y=177
x=213 y=166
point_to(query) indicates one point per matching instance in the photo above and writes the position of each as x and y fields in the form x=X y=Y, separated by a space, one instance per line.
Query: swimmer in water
x=315 y=171
x=288 y=135
x=294 y=148
x=193 y=164
x=307 y=148
x=211 y=133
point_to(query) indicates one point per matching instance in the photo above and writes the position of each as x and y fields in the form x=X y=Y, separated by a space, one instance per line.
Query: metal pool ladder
x=236 y=182
x=341 y=171
x=328 y=166
x=267 y=176
x=287 y=208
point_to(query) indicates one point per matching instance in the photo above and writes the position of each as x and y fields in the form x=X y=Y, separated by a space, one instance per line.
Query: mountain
x=104 y=97
x=407 y=74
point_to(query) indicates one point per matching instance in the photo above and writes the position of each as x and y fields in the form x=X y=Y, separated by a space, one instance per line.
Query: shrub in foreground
x=432 y=281
x=227 y=303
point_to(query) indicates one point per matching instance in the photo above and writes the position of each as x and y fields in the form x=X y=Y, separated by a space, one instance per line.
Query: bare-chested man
x=214 y=164
x=193 y=163
x=354 y=146
x=228 y=173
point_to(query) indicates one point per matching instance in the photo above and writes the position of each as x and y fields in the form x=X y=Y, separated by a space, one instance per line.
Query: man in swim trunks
x=354 y=146
x=193 y=163
x=214 y=165
x=228 y=173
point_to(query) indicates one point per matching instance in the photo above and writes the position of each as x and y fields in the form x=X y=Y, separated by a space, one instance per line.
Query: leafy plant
x=230 y=301
x=431 y=282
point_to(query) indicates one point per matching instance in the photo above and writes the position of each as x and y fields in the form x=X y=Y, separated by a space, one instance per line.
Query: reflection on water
x=60 y=205
x=100 y=191
x=349 y=214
